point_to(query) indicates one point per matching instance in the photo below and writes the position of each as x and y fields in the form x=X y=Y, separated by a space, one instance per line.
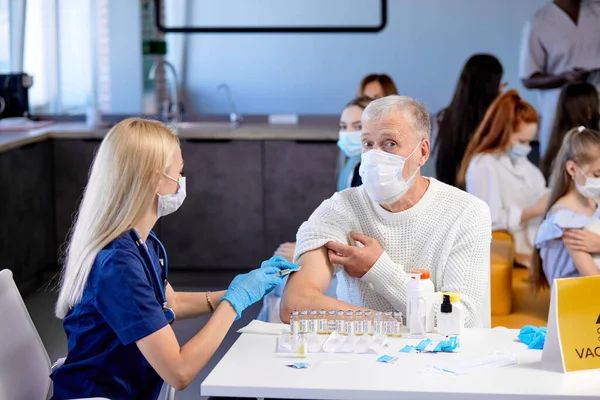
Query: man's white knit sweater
x=448 y=232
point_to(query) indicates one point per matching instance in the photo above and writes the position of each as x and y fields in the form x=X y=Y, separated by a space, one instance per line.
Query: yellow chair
x=501 y=272
x=502 y=236
x=513 y=302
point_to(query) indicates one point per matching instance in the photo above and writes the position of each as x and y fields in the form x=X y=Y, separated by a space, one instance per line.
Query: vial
x=359 y=323
x=340 y=322
x=294 y=323
x=368 y=323
x=304 y=321
x=312 y=321
x=322 y=322
x=396 y=324
x=387 y=323
x=331 y=321
x=349 y=325
x=301 y=345
x=378 y=323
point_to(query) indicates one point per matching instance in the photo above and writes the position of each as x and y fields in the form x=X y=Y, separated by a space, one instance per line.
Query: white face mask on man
x=591 y=187
x=169 y=203
x=382 y=178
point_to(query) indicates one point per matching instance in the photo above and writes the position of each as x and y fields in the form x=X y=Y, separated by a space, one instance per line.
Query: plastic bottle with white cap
x=420 y=285
x=417 y=312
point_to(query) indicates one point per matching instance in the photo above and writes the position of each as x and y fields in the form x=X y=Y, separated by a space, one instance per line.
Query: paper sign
x=573 y=336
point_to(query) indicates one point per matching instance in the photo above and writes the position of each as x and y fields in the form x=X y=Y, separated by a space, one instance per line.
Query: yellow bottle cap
x=454 y=297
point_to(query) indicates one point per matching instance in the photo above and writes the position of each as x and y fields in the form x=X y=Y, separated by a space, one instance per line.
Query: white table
x=251 y=368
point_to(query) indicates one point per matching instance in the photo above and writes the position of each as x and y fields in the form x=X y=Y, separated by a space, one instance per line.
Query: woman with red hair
x=496 y=169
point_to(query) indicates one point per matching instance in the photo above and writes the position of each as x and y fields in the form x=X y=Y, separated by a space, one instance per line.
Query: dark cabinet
x=244 y=197
x=220 y=224
x=298 y=177
x=26 y=212
x=72 y=163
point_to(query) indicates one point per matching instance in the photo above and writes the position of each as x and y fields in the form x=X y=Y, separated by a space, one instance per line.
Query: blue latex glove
x=247 y=289
x=533 y=337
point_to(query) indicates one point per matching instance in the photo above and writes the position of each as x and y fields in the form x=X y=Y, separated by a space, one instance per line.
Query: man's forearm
x=541 y=81
x=389 y=280
x=309 y=300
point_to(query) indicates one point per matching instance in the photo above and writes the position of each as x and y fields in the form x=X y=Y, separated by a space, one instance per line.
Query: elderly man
x=372 y=236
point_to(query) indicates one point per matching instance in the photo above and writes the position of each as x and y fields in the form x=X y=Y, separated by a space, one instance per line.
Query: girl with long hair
x=578 y=105
x=478 y=85
x=496 y=169
x=568 y=241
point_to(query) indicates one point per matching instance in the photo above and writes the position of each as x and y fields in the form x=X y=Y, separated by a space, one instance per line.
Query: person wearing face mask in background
x=374 y=235
x=376 y=86
x=496 y=169
x=568 y=241
x=115 y=299
x=350 y=145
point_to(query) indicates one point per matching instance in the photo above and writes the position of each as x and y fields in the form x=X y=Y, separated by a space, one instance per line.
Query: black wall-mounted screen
x=275 y=16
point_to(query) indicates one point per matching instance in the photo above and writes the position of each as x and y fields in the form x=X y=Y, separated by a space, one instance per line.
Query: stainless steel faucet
x=169 y=110
x=234 y=117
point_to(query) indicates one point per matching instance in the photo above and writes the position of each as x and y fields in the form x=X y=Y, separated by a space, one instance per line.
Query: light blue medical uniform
x=556 y=261
x=348 y=173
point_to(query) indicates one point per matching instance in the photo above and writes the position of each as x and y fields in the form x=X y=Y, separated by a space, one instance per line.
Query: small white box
x=291 y=119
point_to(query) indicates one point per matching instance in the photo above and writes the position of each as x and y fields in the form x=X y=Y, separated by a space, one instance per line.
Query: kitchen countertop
x=185 y=130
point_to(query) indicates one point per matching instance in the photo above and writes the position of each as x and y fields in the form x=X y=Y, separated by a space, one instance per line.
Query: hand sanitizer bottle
x=450 y=318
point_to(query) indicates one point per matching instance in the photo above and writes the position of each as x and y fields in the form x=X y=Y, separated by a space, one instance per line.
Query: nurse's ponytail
x=121 y=186
x=581 y=146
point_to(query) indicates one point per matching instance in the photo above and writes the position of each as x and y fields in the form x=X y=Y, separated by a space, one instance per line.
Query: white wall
x=423 y=48
x=74 y=55
x=125 y=56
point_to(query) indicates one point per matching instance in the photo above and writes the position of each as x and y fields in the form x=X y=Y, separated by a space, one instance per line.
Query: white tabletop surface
x=252 y=368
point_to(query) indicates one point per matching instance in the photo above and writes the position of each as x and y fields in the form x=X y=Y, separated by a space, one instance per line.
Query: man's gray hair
x=414 y=111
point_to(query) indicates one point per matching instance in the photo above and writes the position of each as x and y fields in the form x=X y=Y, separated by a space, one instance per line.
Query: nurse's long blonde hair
x=122 y=186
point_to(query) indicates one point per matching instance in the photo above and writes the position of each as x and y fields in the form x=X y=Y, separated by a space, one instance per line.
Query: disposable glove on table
x=533 y=337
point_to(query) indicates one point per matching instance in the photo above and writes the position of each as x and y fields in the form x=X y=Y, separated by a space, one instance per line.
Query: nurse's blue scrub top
x=118 y=308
